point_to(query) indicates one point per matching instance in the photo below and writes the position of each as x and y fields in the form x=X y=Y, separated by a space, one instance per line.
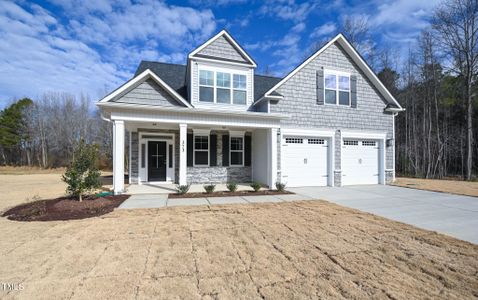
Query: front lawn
x=467 y=188
x=301 y=250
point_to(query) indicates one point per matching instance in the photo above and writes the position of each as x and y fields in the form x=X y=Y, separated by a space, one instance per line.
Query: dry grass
x=309 y=249
x=467 y=188
x=9 y=170
x=16 y=188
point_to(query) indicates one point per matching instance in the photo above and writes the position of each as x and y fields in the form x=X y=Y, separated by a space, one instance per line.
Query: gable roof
x=139 y=78
x=175 y=76
x=356 y=57
x=223 y=34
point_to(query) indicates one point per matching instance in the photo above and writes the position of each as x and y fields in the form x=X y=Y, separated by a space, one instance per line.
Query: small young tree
x=82 y=175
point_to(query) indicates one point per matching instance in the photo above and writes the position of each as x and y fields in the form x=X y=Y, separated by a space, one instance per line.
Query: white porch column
x=183 y=140
x=118 y=157
x=272 y=137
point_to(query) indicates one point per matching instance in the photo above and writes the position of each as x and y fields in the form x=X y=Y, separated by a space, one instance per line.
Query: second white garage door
x=360 y=162
x=304 y=161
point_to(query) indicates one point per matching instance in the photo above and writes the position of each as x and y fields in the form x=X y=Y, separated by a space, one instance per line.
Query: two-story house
x=328 y=122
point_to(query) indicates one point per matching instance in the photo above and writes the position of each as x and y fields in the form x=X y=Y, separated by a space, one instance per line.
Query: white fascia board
x=363 y=134
x=308 y=132
x=146 y=73
x=230 y=39
x=267 y=98
x=113 y=105
x=221 y=62
x=357 y=59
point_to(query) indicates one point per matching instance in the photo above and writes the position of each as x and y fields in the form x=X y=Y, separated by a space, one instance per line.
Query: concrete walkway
x=161 y=200
x=454 y=215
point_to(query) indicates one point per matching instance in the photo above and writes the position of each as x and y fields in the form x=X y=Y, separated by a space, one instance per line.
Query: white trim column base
x=183 y=146
x=118 y=157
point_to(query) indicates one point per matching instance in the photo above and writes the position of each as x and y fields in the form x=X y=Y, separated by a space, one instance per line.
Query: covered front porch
x=217 y=148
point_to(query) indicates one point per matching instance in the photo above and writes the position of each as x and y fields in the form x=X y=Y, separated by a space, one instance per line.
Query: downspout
x=394 y=145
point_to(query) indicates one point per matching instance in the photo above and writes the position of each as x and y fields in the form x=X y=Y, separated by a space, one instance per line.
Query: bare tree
x=356 y=30
x=456 y=23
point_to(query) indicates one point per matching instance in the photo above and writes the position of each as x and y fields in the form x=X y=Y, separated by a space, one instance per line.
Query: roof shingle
x=174 y=75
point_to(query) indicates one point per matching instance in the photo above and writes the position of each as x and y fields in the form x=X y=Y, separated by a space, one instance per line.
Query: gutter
x=394 y=110
x=265 y=97
x=194 y=110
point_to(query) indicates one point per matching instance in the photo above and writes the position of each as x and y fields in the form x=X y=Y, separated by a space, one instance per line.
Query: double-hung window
x=237 y=151
x=337 y=88
x=222 y=87
x=206 y=86
x=223 y=91
x=201 y=150
x=239 y=89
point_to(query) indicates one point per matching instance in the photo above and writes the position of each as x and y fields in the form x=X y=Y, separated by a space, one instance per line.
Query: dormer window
x=223 y=91
x=239 y=85
x=206 y=86
x=222 y=87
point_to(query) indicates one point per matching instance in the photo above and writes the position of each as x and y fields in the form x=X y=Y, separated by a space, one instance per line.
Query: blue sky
x=93 y=46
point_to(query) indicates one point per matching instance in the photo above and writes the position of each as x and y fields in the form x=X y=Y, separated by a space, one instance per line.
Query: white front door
x=304 y=161
x=360 y=161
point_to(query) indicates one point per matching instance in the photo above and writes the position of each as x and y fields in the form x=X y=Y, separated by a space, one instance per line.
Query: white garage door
x=304 y=161
x=360 y=162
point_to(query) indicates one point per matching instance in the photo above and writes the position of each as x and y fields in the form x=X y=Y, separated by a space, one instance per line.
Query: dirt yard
x=20 y=185
x=309 y=249
x=467 y=188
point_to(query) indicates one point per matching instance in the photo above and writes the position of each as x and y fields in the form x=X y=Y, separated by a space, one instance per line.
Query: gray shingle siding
x=148 y=92
x=221 y=48
x=300 y=102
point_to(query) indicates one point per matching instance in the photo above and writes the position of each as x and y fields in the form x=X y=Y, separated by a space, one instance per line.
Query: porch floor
x=167 y=188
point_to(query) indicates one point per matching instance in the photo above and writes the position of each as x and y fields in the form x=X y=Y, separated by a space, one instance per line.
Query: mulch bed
x=64 y=208
x=228 y=194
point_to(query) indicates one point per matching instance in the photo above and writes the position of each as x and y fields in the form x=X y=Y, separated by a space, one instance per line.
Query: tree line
x=436 y=83
x=44 y=132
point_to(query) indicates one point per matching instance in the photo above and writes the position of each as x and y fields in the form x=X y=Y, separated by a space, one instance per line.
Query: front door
x=156 y=161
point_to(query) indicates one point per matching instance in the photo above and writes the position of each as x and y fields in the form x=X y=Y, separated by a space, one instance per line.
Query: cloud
x=216 y=2
x=95 y=45
x=287 y=10
x=323 y=30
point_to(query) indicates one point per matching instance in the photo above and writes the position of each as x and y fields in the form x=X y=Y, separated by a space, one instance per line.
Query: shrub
x=280 y=186
x=209 y=188
x=182 y=189
x=82 y=175
x=256 y=186
x=231 y=186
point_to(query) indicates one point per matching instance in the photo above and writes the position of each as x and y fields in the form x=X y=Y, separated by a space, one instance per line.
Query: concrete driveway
x=450 y=214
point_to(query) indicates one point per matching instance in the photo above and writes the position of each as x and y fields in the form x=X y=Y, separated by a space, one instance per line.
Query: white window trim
x=202 y=134
x=337 y=88
x=237 y=134
x=215 y=87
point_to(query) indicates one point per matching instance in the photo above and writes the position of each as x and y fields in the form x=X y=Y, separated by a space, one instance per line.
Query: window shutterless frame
x=337 y=88
x=237 y=85
x=202 y=136
x=241 y=138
